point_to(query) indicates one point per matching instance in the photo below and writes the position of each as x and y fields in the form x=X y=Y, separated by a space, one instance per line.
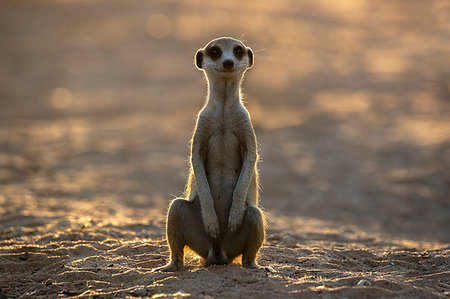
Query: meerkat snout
x=228 y=64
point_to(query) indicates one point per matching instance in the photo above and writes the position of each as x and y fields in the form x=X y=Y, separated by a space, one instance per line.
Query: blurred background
x=350 y=101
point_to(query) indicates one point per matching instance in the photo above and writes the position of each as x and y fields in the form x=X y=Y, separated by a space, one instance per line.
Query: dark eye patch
x=238 y=52
x=214 y=52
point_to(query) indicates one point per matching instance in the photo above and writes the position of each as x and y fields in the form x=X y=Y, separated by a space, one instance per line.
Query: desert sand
x=350 y=103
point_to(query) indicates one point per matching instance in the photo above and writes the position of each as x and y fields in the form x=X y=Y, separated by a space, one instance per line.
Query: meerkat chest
x=224 y=150
x=223 y=160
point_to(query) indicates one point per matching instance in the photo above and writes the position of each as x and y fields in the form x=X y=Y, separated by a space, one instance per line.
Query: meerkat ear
x=199 y=59
x=250 y=57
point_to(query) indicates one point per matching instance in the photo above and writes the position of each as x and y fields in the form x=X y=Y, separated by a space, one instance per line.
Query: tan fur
x=220 y=218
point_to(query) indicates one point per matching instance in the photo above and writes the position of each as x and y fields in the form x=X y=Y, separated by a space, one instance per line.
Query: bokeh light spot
x=190 y=27
x=386 y=62
x=159 y=26
x=61 y=98
x=216 y=19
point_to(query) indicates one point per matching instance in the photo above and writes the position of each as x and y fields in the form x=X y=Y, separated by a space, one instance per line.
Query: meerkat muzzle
x=228 y=65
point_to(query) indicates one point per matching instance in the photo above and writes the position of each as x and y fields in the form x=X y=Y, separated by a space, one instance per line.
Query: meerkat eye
x=238 y=51
x=215 y=52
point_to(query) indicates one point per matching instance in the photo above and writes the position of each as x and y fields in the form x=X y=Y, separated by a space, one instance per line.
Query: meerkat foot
x=170 y=267
x=217 y=256
x=253 y=265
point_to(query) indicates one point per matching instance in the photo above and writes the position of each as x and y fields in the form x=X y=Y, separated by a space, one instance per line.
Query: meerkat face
x=224 y=57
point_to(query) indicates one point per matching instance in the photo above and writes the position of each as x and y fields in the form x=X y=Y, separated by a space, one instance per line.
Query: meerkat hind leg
x=247 y=240
x=184 y=227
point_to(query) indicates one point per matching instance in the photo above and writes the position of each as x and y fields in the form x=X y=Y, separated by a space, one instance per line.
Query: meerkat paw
x=253 y=265
x=235 y=218
x=170 y=267
x=212 y=225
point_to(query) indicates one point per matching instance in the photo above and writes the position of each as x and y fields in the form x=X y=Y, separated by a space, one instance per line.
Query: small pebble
x=48 y=282
x=288 y=241
x=275 y=238
x=363 y=283
x=140 y=292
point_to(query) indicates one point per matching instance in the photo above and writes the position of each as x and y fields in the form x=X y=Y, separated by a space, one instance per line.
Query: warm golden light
x=159 y=26
x=61 y=98
x=350 y=102
x=189 y=26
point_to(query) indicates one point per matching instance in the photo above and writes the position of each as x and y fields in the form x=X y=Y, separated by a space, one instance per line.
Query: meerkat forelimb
x=220 y=218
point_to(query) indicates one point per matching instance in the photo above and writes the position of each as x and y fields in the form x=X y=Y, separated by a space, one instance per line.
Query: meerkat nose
x=228 y=64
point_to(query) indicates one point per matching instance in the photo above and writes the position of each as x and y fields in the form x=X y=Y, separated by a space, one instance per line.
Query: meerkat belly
x=223 y=167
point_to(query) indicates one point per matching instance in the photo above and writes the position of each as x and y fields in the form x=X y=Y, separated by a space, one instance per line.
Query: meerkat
x=219 y=218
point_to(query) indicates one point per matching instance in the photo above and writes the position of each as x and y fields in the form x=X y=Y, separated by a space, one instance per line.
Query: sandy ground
x=351 y=106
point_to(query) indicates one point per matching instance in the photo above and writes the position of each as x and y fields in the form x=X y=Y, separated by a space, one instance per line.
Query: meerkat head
x=224 y=57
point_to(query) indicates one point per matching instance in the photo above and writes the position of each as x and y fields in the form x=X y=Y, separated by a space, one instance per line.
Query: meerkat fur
x=219 y=217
